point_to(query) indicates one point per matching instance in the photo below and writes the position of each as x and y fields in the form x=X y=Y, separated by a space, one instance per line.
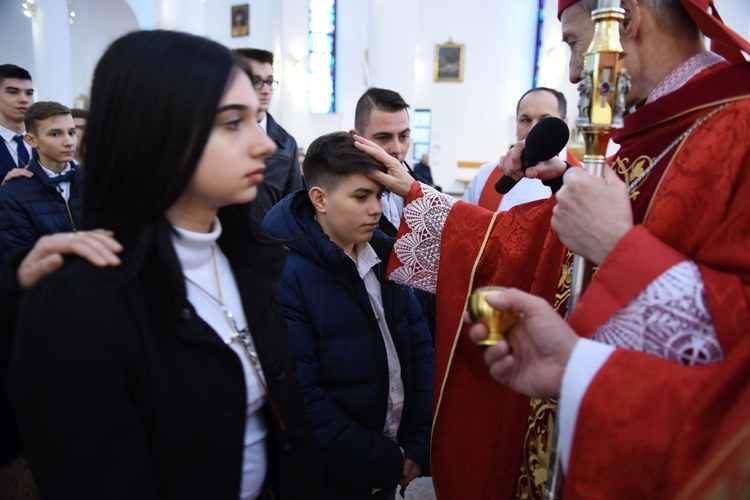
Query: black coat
x=122 y=391
x=282 y=175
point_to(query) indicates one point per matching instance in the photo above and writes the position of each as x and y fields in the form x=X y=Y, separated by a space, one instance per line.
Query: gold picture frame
x=449 y=62
x=240 y=20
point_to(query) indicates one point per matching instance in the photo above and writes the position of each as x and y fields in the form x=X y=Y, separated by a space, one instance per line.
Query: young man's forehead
x=17 y=83
x=261 y=69
x=56 y=122
x=387 y=122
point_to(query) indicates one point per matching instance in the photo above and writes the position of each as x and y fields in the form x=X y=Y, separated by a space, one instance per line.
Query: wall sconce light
x=29 y=8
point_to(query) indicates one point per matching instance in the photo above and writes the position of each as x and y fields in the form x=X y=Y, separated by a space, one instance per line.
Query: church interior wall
x=387 y=43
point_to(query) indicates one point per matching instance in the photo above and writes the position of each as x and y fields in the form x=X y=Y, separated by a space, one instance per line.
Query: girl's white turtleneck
x=194 y=252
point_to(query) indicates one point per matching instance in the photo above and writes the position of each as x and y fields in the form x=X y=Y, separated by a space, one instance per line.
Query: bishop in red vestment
x=632 y=425
x=683 y=160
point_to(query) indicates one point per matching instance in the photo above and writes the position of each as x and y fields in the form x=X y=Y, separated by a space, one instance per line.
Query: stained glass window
x=321 y=40
x=539 y=41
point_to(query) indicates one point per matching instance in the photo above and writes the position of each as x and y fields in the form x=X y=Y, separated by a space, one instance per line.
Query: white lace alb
x=669 y=319
x=419 y=250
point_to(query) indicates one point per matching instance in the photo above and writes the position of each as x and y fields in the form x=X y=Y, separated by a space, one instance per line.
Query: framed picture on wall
x=240 y=20
x=449 y=62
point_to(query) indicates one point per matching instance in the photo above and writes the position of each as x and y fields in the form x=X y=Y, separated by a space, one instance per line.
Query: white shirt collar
x=50 y=173
x=366 y=258
x=8 y=134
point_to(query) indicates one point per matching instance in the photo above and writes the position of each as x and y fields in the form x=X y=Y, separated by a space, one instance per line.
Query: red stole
x=490 y=198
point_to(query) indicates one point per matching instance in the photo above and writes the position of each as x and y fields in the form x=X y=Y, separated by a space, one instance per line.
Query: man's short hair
x=41 y=111
x=333 y=157
x=562 y=103
x=258 y=55
x=13 y=71
x=79 y=113
x=670 y=15
x=383 y=99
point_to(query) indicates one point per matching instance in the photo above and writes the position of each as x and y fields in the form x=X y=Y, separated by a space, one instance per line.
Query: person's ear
x=319 y=199
x=31 y=140
x=632 y=22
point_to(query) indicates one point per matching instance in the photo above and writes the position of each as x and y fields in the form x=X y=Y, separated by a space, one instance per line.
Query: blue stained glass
x=321 y=43
x=321 y=60
x=539 y=43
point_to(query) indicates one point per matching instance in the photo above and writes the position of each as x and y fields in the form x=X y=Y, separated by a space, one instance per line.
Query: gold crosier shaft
x=602 y=91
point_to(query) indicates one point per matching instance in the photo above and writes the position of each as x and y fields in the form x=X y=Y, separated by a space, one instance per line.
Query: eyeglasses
x=272 y=84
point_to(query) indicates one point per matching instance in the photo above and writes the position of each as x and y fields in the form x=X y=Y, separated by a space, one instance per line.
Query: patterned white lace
x=419 y=250
x=669 y=319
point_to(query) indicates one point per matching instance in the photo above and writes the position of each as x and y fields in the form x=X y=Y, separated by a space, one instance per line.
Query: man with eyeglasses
x=282 y=175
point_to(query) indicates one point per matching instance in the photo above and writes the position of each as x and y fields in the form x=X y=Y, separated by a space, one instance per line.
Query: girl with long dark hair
x=169 y=375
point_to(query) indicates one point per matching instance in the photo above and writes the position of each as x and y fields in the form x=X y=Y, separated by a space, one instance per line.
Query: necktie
x=23 y=155
x=67 y=176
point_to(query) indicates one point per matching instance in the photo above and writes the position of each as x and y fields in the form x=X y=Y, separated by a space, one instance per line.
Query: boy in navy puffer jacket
x=45 y=197
x=363 y=350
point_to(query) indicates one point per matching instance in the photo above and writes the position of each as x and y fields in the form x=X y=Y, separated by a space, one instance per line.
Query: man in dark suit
x=382 y=116
x=423 y=172
x=16 y=94
x=282 y=175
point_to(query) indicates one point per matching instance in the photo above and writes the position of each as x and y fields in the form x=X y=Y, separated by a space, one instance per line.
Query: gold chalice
x=497 y=322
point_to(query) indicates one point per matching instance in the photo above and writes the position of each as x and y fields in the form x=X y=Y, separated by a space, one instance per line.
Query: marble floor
x=420 y=489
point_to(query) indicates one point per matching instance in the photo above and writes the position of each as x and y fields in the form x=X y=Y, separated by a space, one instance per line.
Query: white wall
x=391 y=41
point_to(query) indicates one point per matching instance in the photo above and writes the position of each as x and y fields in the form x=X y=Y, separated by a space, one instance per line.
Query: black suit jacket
x=282 y=175
x=122 y=391
x=7 y=161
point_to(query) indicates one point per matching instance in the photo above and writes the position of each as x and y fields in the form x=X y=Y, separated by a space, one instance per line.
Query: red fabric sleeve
x=647 y=425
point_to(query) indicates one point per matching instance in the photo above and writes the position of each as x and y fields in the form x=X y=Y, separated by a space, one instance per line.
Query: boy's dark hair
x=562 y=103
x=383 y=99
x=142 y=142
x=259 y=55
x=333 y=157
x=41 y=111
x=13 y=71
x=79 y=113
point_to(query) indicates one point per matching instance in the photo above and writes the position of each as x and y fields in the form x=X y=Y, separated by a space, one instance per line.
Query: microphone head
x=546 y=139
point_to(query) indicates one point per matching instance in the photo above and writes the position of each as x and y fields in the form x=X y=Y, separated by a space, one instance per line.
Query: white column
x=53 y=74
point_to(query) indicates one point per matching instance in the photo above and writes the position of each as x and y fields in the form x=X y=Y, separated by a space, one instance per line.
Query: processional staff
x=603 y=88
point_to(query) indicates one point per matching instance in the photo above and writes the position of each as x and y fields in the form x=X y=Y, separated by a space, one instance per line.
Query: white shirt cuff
x=585 y=361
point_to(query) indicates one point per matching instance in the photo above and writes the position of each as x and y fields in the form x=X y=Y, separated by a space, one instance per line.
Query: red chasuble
x=691 y=201
x=682 y=432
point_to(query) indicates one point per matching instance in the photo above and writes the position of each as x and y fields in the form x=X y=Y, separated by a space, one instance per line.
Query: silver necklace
x=241 y=336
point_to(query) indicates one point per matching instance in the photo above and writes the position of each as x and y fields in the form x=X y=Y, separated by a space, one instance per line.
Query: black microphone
x=545 y=140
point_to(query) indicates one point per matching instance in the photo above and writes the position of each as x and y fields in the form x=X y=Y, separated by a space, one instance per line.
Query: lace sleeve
x=418 y=248
x=669 y=319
